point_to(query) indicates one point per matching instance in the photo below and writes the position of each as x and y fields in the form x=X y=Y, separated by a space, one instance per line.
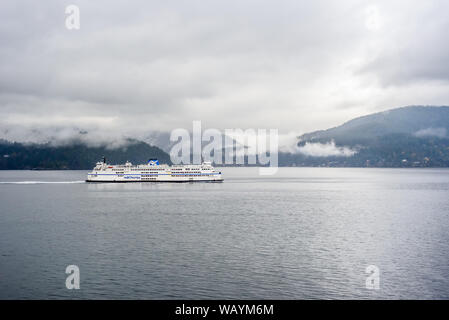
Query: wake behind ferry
x=153 y=172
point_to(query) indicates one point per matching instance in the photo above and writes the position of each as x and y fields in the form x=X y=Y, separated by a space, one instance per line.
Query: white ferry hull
x=153 y=172
x=134 y=178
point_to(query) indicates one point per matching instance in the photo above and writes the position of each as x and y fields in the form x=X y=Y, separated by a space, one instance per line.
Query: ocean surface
x=304 y=233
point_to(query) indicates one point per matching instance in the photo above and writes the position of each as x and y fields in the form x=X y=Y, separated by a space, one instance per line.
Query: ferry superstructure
x=153 y=172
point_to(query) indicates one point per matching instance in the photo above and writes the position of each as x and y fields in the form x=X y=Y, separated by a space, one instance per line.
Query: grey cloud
x=325 y=150
x=139 y=66
x=432 y=132
x=415 y=49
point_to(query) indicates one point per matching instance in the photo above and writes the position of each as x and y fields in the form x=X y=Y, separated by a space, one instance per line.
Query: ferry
x=153 y=172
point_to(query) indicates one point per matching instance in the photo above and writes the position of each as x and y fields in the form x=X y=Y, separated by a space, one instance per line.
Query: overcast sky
x=137 y=66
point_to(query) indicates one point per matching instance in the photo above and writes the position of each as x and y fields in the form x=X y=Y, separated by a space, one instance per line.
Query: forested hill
x=414 y=136
x=75 y=156
x=416 y=121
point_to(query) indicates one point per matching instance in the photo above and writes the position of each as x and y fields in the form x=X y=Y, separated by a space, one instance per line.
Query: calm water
x=303 y=233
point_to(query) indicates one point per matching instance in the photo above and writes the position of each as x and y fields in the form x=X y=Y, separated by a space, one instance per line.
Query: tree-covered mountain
x=405 y=137
x=74 y=156
x=415 y=121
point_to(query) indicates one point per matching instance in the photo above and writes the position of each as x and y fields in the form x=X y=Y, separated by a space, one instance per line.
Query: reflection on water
x=303 y=233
